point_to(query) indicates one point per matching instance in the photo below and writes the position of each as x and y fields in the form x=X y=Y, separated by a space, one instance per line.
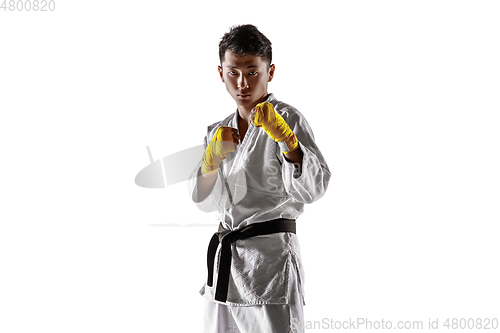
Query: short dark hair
x=245 y=40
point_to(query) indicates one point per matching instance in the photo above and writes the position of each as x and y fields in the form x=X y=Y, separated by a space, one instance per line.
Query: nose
x=242 y=82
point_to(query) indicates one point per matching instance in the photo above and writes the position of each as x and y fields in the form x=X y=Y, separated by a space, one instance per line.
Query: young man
x=260 y=166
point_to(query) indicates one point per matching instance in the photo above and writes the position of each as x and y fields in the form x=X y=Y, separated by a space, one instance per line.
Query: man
x=260 y=166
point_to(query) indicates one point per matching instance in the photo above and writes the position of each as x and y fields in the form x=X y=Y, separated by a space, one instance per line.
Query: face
x=246 y=78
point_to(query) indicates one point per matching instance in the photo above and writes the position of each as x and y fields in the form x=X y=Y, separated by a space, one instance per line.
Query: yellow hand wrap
x=275 y=126
x=218 y=149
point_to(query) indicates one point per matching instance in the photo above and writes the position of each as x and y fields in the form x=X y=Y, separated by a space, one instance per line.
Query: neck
x=245 y=111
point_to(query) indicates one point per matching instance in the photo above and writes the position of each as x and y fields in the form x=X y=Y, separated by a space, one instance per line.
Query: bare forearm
x=295 y=157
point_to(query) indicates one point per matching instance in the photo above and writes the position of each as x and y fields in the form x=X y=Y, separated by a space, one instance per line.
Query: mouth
x=243 y=95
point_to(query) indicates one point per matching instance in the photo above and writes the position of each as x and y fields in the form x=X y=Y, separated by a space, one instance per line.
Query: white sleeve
x=312 y=183
x=214 y=199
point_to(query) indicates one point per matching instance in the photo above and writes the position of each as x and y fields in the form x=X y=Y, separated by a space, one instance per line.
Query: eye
x=252 y=73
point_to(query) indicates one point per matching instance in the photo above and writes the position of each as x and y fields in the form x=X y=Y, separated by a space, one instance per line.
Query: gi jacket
x=256 y=184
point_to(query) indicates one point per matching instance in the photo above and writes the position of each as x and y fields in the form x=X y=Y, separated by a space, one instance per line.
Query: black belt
x=226 y=237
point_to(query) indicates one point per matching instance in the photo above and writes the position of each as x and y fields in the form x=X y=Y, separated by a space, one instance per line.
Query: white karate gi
x=256 y=184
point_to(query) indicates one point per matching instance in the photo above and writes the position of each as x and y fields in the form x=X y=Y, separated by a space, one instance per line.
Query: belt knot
x=225 y=237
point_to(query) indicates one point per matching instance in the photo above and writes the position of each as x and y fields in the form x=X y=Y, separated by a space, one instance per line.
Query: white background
x=403 y=98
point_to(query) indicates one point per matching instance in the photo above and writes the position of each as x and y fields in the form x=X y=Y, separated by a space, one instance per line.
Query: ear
x=220 y=73
x=271 y=72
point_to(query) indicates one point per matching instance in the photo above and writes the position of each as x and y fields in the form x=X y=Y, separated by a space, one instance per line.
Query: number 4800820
x=28 y=5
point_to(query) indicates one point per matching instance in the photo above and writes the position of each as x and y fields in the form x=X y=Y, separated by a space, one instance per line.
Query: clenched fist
x=224 y=141
x=275 y=126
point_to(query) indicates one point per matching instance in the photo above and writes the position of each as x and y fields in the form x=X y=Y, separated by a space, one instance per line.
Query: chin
x=244 y=102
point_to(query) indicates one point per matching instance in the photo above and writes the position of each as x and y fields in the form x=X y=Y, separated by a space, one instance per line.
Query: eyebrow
x=251 y=66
